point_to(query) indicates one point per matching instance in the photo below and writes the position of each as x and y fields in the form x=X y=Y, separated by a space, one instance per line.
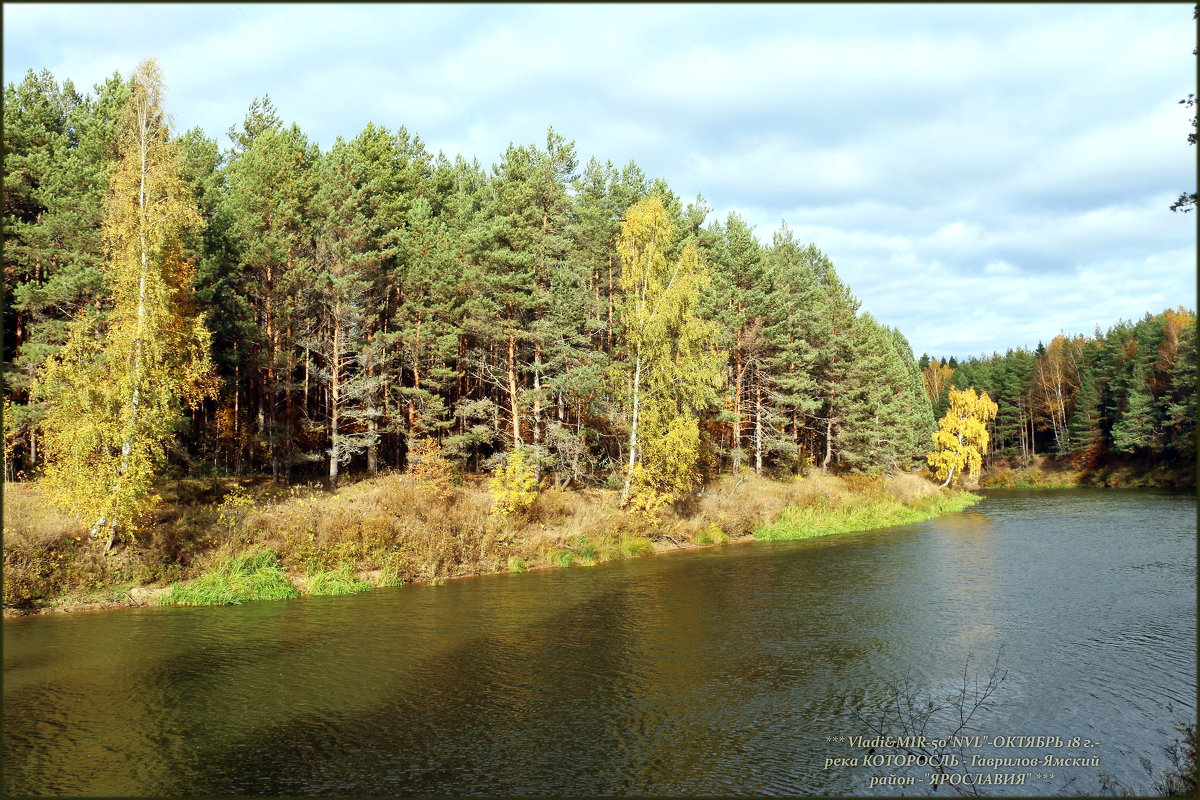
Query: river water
x=736 y=670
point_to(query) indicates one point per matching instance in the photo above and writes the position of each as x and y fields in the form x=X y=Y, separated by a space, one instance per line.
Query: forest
x=361 y=300
x=1122 y=395
x=175 y=306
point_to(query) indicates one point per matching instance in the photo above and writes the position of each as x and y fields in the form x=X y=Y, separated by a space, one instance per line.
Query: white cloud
x=982 y=176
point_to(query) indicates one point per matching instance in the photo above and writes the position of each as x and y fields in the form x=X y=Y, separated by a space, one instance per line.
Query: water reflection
x=712 y=672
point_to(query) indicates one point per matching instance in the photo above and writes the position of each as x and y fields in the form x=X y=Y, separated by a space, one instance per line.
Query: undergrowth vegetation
x=226 y=541
x=236 y=579
x=1060 y=474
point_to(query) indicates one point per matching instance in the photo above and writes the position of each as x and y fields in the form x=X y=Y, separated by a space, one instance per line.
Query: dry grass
x=30 y=520
x=392 y=529
x=47 y=552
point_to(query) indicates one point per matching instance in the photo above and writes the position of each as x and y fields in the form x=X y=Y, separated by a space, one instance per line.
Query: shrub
x=431 y=470
x=234 y=508
x=514 y=486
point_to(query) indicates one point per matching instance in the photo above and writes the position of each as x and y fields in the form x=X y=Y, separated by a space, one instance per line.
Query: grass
x=806 y=522
x=220 y=541
x=634 y=546
x=334 y=582
x=238 y=579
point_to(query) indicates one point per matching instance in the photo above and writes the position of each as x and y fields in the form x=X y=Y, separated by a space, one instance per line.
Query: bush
x=431 y=470
x=514 y=487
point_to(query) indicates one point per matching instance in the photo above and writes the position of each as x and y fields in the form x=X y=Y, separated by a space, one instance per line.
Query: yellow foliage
x=234 y=507
x=676 y=369
x=962 y=435
x=514 y=485
x=114 y=391
x=431 y=470
x=937 y=377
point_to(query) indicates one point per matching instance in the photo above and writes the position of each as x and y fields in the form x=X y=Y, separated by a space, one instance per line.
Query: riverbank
x=226 y=541
x=1048 y=473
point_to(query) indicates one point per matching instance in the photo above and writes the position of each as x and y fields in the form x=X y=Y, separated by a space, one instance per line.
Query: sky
x=984 y=177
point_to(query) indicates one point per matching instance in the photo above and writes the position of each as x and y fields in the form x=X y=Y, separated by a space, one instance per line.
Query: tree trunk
x=633 y=427
x=512 y=390
x=828 y=444
x=949 y=476
x=335 y=369
x=372 y=425
x=758 y=423
x=537 y=393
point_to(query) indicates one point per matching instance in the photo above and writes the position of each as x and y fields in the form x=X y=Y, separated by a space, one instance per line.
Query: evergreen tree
x=1179 y=401
x=796 y=309
x=58 y=147
x=1087 y=438
x=883 y=417
x=1136 y=427
x=269 y=201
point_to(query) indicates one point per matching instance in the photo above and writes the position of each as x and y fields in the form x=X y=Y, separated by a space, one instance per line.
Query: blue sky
x=983 y=176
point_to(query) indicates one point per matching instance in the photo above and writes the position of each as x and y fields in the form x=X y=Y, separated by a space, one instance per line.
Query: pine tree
x=835 y=355
x=1137 y=428
x=1179 y=401
x=58 y=150
x=917 y=412
x=795 y=328
x=271 y=188
x=740 y=288
x=884 y=415
x=1087 y=438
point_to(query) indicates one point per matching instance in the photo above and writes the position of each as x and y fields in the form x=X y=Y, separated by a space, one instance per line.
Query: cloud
x=982 y=176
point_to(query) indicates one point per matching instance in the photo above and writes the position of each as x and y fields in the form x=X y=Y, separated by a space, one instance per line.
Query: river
x=735 y=670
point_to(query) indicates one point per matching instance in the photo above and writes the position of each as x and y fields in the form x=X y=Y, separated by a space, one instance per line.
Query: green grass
x=335 y=583
x=711 y=535
x=1044 y=485
x=561 y=558
x=516 y=564
x=807 y=523
x=240 y=579
x=634 y=546
x=586 y=551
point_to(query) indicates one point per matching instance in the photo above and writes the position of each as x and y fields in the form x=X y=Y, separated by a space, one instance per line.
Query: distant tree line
x=1127 y=393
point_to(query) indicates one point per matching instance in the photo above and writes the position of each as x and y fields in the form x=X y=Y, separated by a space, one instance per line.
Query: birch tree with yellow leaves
x=116 y=389
x=675 y=368
x=962 y=435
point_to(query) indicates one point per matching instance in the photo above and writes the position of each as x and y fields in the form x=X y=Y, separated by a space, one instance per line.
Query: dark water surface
x=714 y=672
